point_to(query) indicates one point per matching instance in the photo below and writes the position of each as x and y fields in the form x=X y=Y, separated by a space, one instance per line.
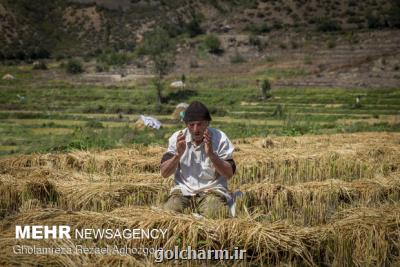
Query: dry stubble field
x=309 y=200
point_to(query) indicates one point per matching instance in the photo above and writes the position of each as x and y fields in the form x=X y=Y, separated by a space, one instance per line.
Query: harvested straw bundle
x=139 y=124
x=266 y=243
x=315 y=203
x=26 y=194
x=316 y=158
x=106 y=196
x=41 y=189
x=10 y=199
x=365 y=236
x=290 y=169
x=8 y=258
x=269 y=243
x=113 y=161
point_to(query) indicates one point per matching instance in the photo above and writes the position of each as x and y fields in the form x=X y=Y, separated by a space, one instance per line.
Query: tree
x=194 y=28
x=213 y=44
x=161 y=50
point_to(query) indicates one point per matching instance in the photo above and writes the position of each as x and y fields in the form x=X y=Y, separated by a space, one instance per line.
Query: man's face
x=197 y=129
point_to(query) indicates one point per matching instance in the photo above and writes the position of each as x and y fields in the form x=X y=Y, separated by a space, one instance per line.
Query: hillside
x=42 y=28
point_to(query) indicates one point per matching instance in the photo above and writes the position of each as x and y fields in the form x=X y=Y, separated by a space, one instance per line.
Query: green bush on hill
x=213 y=44
x=327 y=25
x=114 y=58
x=258 y=28
x=74 y=66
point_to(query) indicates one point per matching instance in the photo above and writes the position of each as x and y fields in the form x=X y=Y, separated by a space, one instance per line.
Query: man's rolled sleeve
x=225 y=149
x=171 y=151
x=225 y=152
x=172 y=144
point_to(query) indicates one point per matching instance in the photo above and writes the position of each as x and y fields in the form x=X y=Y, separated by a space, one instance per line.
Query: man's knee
x=176 y=202
x=214 y=206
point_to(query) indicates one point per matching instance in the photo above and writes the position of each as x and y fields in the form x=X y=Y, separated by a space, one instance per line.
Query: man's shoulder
x=217 y=132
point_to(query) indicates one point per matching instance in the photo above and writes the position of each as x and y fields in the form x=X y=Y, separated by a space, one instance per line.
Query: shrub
x=257 y=42
x=173 y=29
x=114 y=58
x=74 y=66
x=218 y=111
x=94 y=124
x=254 y=40
x=265 y=89
x=213 y=44
x=393 y=15
x=282 y=46
x=37 y=52
x=328 y=25
x=374 y=22
x=331 y=44
x=59 y=57
x=258 y=28
x=39 y=65
x=102 y=67
x=278 y=111
x=194 y=28
x=355 y=20
x=237 y=58
x=277 y=25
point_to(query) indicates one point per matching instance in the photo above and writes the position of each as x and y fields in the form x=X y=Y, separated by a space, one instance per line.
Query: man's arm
x=224 y=168
x=168 y=167
x=170 y=161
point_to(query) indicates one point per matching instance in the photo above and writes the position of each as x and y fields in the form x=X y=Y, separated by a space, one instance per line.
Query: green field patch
x=247 y=121
x=7 y=148
x=52 y=131
x=117 y=124
x=389 y=119
x=46 y=122
x=276 y=74
x=106 y=116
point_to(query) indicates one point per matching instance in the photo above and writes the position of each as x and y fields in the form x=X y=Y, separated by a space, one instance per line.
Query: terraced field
x=38 y=118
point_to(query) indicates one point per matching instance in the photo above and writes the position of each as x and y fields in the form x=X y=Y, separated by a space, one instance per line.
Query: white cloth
x=182 y=105
x=150 y=122
x=196 y=173
x=177 y=84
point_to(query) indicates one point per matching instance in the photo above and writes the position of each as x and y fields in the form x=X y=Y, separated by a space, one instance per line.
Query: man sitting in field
x=201 y=158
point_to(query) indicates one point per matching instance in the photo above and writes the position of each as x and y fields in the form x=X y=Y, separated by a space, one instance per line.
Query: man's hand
x=222 y=167
x=208 y=143
x=169 y=166
x=180 y=144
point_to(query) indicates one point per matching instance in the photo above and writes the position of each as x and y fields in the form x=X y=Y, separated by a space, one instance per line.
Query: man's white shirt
x=196 y=173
